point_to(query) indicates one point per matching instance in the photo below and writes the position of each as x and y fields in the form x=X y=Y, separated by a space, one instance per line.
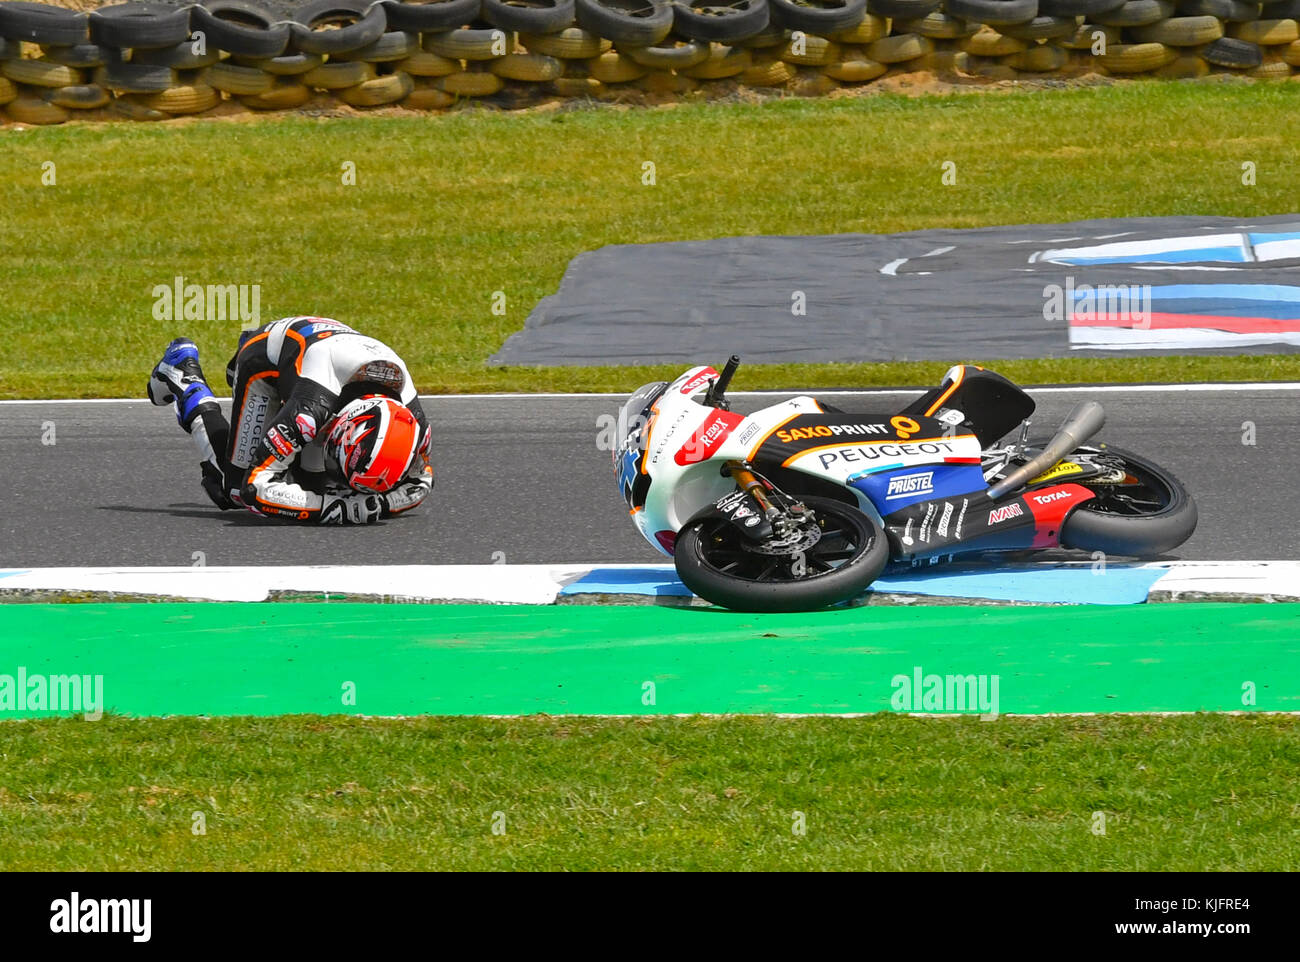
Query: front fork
x=781 y=523
x=749 y=482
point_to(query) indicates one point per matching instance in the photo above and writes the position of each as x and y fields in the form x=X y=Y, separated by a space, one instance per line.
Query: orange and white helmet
x=374 y=440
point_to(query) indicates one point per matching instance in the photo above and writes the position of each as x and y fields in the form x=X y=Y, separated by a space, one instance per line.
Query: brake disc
x=798 y=539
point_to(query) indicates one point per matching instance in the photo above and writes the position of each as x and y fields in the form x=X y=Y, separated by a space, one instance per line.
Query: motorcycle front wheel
x=720 y=565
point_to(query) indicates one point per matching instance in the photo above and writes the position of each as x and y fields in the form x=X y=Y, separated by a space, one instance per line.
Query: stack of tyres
x=46 y=60
x=150 y=61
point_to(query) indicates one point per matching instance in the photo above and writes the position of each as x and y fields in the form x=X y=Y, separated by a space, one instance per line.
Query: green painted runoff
x=367 y=659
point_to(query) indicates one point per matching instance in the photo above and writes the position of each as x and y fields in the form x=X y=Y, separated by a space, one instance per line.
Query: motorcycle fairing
x=975 y=523
x=629 y=457
x=821 y=429
x=979 y=401
x=892 y=488
x=675 y=467
x=739 y=508
x=889 y=463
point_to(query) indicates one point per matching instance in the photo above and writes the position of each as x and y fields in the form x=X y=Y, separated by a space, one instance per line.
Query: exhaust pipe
x=1084 y=421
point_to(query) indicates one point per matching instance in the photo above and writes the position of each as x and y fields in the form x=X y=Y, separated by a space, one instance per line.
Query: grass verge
x=1203 y=792
x=446 y=211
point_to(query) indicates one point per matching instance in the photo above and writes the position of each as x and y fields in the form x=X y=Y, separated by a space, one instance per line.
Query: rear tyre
x=716 y=562
x=1147 y=514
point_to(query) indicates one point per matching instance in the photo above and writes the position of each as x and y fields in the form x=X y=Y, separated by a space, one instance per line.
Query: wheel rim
x=724 y=550
x=1140 y=494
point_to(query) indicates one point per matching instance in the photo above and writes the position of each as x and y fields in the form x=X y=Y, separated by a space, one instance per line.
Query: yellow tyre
x=285 y=94
x=936 y=26
x=945 y=62
x=855 y=67
x=426 y=95
x=234 y=79
x=573 y=43
x=1043 y=58
x=1137 y=57
x=338 y=75
x=614 y=68
x=472 y=83
x=771 y=73
x=899 y=48
x=871 y=28
x=425 y=64
x=30 y=109
x=187 y=99
x=812 y=83
x=807 y=50
x=1186 y=67
x=467 y=44
x=1267 y=33
x=987 y=42
x=769 y=36
x=723 y=62
x=42 y=73
x=1180 y=31
x=1271 y=70
x=388 y=89
x=528 y=67
x=577 y=86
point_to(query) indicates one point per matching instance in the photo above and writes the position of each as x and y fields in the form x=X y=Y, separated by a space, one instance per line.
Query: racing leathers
x=289 y=379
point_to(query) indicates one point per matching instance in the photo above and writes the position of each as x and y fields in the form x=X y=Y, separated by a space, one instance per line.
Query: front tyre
x=1144 y=513
x=720 y=565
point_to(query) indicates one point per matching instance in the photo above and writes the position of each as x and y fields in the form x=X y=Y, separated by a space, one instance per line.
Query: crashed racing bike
x=801 y=505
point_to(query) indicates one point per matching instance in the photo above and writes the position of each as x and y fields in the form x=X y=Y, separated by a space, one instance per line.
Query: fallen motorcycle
x=800 y=505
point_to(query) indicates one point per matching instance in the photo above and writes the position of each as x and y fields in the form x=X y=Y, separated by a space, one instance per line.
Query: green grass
x=448 y=210
x=1206 y=792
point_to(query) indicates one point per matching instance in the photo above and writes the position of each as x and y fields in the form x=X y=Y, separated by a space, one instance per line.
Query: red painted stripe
x=962 y=461
x=1165 y=322
x=707 y=437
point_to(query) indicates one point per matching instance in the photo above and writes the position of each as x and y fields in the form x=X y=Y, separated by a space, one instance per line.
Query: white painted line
x=537 y=584
x=487 y=584
x=1208 y=388
x=1259 y=579
x=1182 y=267
x=1062 y=389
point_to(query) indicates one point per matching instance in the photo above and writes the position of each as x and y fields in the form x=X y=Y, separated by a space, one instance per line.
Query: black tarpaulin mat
x=1099 y=287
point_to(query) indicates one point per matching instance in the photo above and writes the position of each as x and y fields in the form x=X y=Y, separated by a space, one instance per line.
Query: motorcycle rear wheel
x=717 y=563
x=1148 y=514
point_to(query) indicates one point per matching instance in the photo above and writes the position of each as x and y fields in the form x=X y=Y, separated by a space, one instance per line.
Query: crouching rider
x=325 y=425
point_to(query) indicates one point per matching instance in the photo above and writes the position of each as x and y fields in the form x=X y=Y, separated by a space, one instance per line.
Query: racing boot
x=177 y=379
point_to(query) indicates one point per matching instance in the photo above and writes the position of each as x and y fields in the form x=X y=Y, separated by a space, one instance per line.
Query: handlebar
x=718 y=389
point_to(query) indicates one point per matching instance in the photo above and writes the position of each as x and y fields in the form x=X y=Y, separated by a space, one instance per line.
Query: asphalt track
x=521 y=479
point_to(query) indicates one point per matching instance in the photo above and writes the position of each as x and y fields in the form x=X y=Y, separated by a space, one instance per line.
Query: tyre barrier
x=152 y=61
